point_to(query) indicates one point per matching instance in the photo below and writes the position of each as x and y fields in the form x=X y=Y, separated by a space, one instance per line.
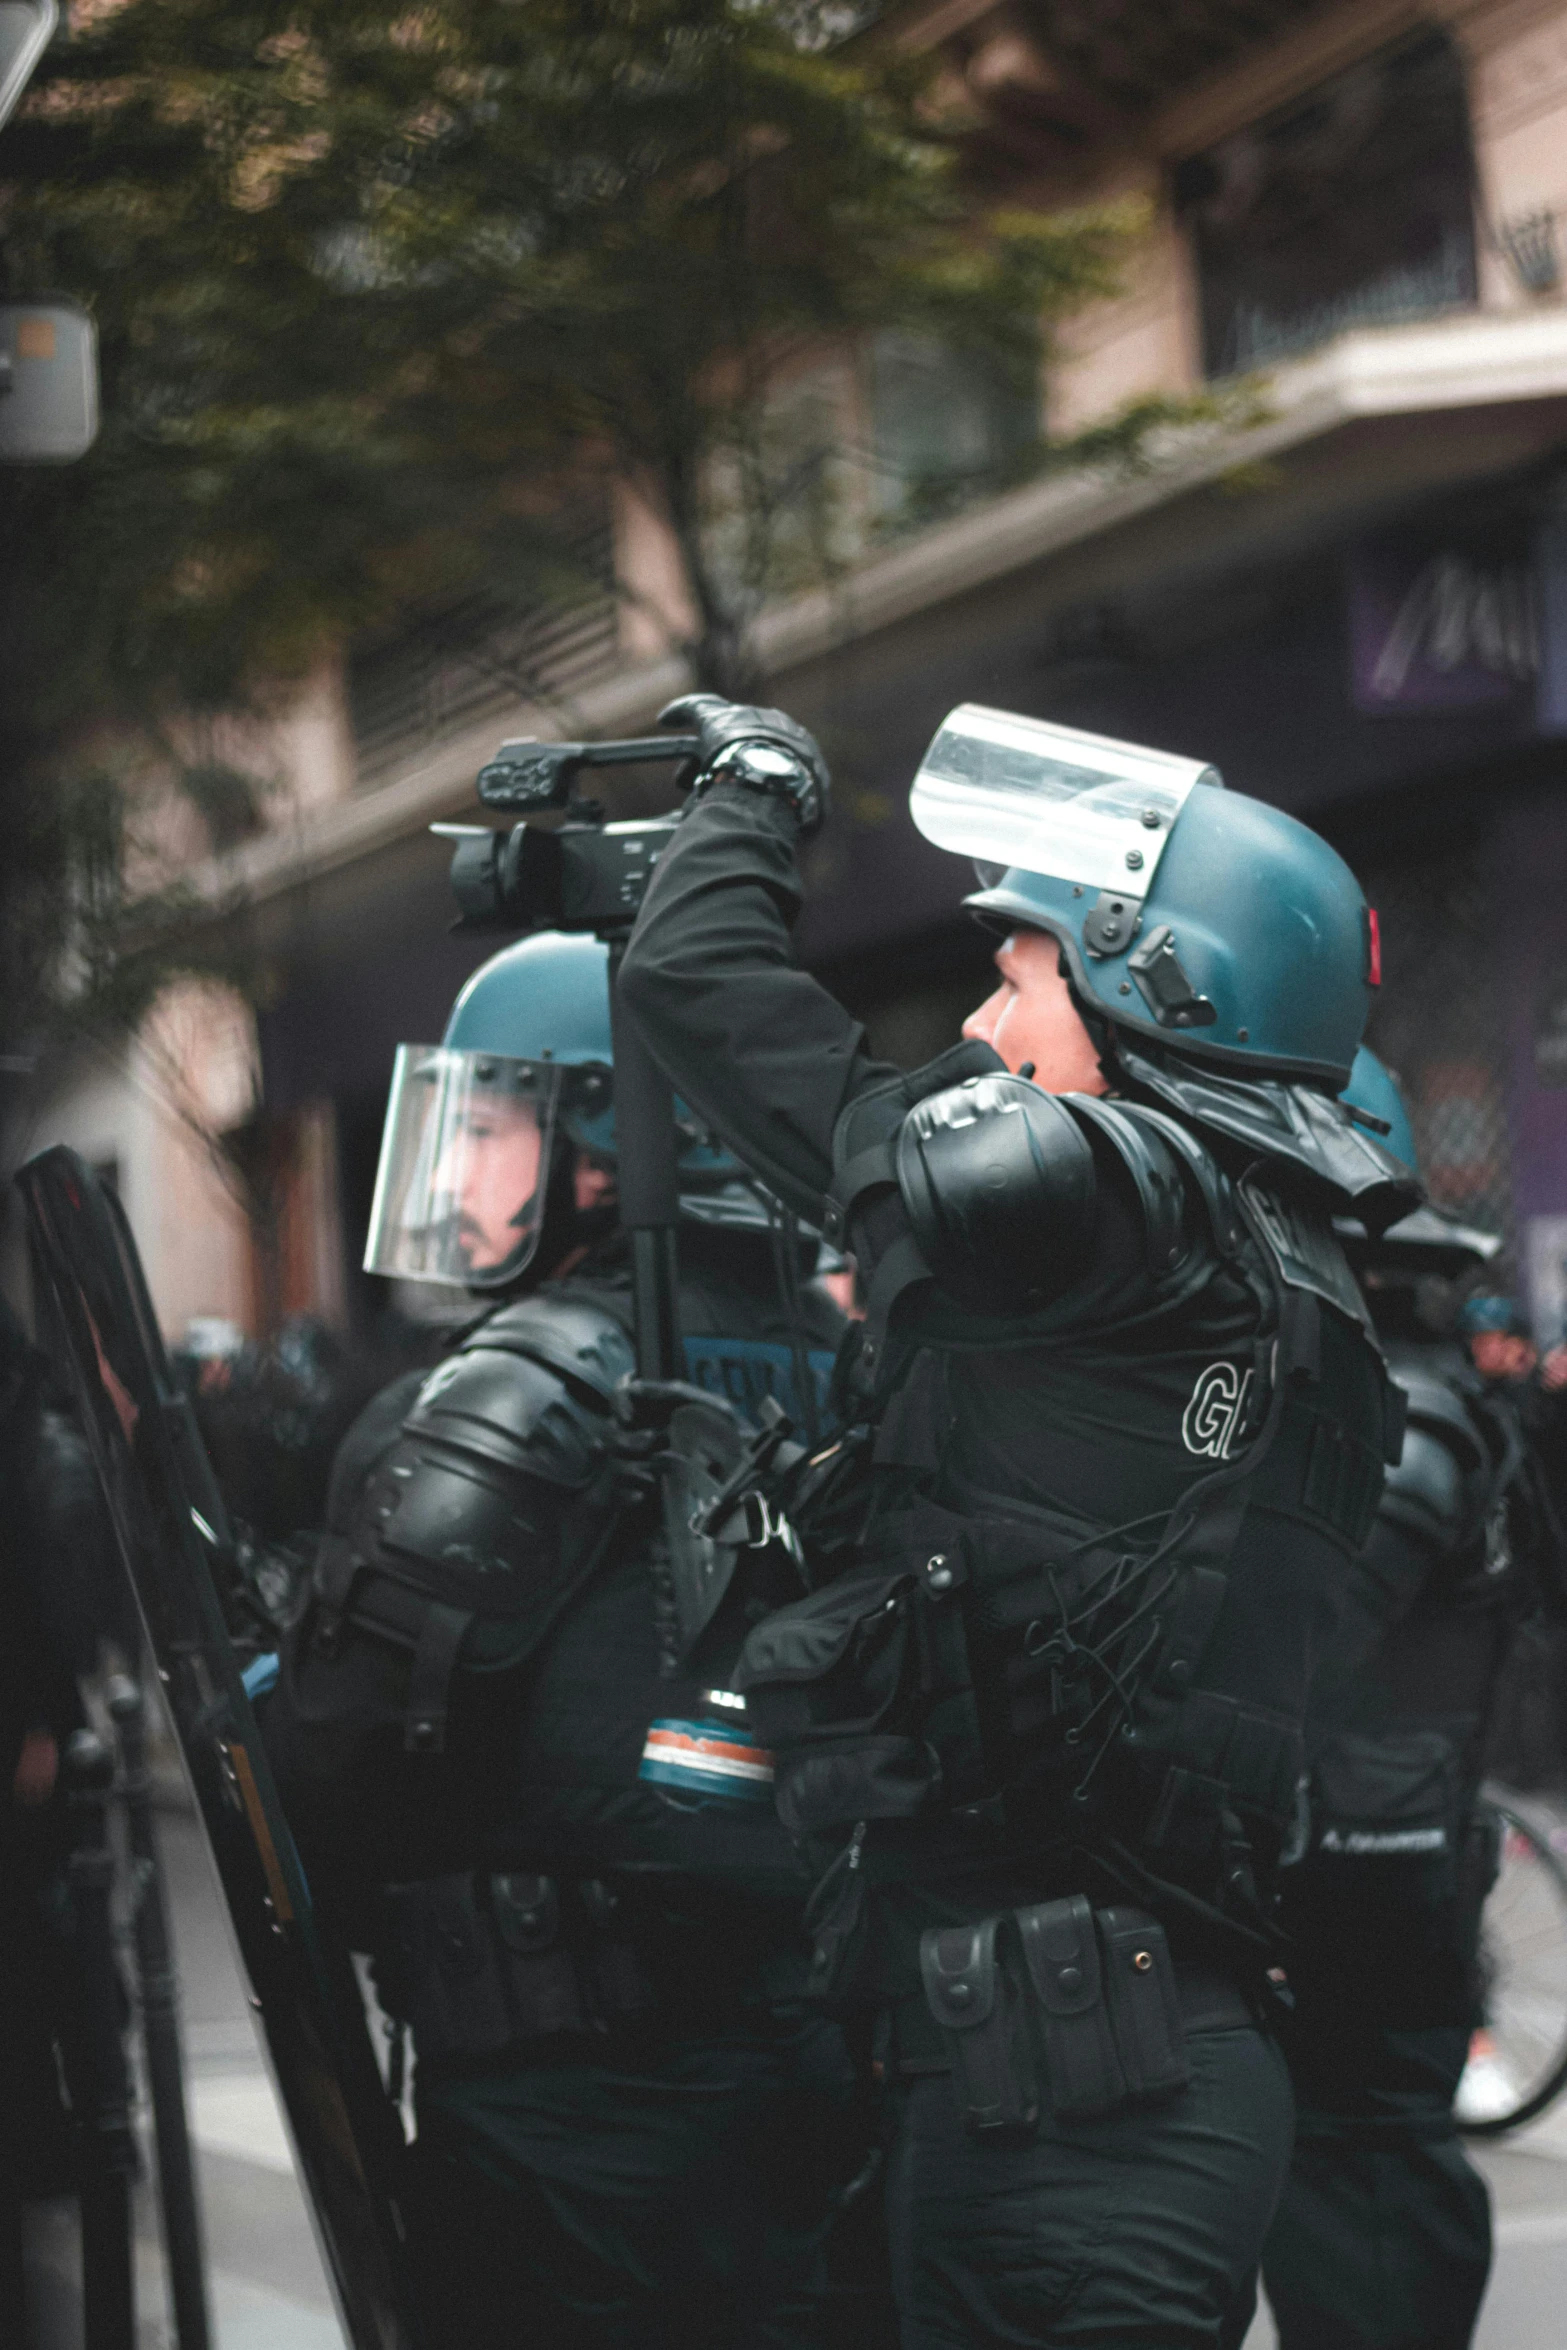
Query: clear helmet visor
x=1051 y=799
x=465 y=1159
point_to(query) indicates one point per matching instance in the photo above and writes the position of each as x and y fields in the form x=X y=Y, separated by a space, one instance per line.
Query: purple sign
x=1434 y=628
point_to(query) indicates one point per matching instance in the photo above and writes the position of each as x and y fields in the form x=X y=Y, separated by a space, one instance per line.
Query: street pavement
x=268 y=2288
x=269 y=2291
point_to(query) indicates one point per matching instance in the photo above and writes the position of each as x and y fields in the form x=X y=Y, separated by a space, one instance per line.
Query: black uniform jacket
x=763 y=1053
x=1104 y=1407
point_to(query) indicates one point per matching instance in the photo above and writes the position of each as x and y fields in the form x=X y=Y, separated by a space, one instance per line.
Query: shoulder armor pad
x=1153 y=1150
x=1427 y=1492
x=865 y=1140
x=1307 y=1255
x=503 y=1398
x=1424 y=1492
x=1205 y=1175
x=1436 y=1408
x=583 y=1342
x=375 y=1430
x=998 y=1182
x=1294 y=1126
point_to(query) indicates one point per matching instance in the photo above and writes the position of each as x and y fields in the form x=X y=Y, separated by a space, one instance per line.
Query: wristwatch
x=767 y=767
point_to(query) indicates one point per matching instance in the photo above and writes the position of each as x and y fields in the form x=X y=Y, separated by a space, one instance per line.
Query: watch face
x=769 y=767
x=1051 y=799
x=761 y=763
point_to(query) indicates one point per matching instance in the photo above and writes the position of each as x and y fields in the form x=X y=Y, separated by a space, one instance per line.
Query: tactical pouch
x=481 y=1964
x=541 y=1977
x=1389 y=1795
x=1082 y=2061
x=1057 y=2002
x=833 y=1688
x=1144 y=2005
x=978 y=2005
x=448 y=1968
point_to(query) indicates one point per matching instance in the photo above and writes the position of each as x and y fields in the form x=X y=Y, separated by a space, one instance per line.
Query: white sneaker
x=1486 y=2092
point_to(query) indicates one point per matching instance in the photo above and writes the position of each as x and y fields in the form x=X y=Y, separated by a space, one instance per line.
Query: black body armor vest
x=475 y=1678
x=1114 y=1525
x=1465 y=1547
x=1382 y=1909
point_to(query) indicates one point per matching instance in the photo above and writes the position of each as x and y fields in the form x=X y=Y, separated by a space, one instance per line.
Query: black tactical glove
x=765 y=750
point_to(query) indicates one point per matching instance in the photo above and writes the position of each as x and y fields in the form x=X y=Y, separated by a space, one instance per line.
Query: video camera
x=585 y=874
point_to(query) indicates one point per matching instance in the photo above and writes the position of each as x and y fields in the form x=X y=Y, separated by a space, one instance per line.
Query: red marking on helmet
x=1373 y=948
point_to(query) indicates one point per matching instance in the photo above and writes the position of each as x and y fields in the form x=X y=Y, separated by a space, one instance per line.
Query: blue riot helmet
x=1187 y=914
x=483 y=1132
x=1427 y=1241
x=1492 y=1316
x=1373 y=1088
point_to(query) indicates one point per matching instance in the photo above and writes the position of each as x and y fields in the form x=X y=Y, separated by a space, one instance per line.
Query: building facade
x=1353 y=601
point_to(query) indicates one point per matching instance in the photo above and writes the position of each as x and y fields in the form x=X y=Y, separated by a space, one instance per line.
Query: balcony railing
x=1353 y=207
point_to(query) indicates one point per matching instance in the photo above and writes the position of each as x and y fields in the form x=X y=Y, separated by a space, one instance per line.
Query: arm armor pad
x=475 y=1521
x=1000 y=1184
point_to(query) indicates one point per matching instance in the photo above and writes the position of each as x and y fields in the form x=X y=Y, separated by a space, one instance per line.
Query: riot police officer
x=1382 y=2238
x=1122 y=1426
x=518 y=1776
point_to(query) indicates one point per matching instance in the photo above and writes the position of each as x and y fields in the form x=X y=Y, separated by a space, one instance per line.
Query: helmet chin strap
x=1101 y=1031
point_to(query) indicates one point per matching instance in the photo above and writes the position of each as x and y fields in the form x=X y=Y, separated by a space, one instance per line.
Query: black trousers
x=1140 y=2232
x=1382 y=2240
x=684 y=2196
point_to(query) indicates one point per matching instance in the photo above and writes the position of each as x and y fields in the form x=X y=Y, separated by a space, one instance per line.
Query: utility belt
x=1057 y=2007
x=481 y=1965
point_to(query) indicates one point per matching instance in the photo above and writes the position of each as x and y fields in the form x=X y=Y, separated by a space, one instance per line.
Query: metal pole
x=107 y=2147
x=160 y=2026
x=647 y=1156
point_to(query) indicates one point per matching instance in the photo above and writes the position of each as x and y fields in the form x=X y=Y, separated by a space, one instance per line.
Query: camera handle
x=649 y=1181
x=529 y=776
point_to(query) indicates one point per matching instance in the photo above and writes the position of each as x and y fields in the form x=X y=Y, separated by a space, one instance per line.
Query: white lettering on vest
x=1369 y=1842
x=1217 y=1409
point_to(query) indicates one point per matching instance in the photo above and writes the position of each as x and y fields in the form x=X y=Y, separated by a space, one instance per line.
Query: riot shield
x=172 y=1533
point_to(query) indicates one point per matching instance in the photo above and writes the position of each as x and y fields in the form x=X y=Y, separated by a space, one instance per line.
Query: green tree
x=384 y=292
x=382 y=289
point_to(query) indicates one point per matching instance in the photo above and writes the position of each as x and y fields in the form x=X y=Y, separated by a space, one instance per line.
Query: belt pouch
x=449 y=1966
x=1083 y=2071
x=980 y=2010
x=1144 y=2004
x=540 y=1975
